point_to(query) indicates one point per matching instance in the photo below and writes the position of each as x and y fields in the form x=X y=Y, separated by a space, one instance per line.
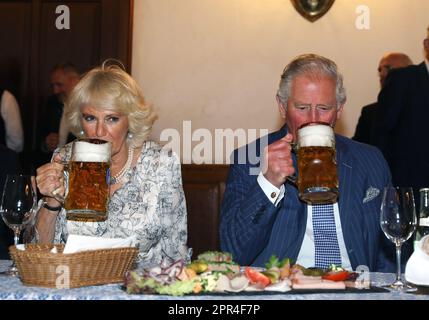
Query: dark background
x=31 y=45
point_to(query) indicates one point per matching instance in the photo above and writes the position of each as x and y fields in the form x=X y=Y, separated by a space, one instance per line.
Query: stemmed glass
x=398 y=221
x=18 y=206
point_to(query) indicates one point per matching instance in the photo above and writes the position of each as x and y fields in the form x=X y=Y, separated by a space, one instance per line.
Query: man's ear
x=282 y=108
x=340 y=111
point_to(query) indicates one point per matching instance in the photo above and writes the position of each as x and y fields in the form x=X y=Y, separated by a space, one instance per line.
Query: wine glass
x=18 y=206
x=398 y=221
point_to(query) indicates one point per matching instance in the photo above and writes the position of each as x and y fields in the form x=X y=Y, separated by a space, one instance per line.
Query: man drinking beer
x=263 y=214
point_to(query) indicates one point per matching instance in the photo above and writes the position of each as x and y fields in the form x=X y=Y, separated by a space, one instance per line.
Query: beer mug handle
x=61 y=199
x=293 y=178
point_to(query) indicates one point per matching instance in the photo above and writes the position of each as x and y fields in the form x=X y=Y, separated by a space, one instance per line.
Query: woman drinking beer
x=146 y=194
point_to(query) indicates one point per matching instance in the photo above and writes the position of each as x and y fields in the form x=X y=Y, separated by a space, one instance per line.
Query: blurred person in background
x=64 y=77
x=400 y=129
x=365 y=125
x=11 y=131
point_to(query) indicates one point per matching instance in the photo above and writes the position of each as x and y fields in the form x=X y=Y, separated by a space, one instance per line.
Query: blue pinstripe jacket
x=253 y=229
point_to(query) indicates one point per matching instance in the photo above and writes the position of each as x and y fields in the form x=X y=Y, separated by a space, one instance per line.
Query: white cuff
x=274 y=194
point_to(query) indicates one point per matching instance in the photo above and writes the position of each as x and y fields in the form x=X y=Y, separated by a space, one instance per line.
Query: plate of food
x=215 y=273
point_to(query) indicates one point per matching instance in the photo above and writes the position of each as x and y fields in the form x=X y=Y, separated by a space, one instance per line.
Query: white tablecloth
x=11 y=288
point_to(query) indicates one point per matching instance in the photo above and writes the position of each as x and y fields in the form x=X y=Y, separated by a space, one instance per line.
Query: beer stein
x=317 y=168
x=87 y=191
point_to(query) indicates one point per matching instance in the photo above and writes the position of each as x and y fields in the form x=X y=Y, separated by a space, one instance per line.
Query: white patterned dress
x=150 y=205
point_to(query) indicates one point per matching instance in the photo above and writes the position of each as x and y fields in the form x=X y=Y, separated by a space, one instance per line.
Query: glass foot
x=13 y=271
x=400 y=286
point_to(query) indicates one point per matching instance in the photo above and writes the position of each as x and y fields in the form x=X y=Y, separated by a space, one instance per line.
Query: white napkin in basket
x=76 y=243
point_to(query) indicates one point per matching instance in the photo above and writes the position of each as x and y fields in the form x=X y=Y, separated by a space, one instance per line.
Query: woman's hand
x=278 y=163
x=50 y=180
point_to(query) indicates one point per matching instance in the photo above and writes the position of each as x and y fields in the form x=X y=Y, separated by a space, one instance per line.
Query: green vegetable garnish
x=274 y=262
x=335 y=268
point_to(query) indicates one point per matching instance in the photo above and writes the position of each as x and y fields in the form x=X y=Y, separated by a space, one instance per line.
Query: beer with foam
x=317 y=167
x=88 y=180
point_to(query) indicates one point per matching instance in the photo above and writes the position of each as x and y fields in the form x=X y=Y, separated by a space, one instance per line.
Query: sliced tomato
x=255 y=277
x=336 y=276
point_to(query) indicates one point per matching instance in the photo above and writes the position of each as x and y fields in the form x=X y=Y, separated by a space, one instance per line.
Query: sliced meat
x=302 y=278
x=281 y=286
x=321 y=284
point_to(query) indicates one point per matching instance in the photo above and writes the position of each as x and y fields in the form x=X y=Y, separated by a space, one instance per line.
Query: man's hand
x=51 y=141
x=278 y=164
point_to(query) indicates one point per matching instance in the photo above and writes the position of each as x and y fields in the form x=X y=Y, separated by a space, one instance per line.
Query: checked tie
x=327 y=250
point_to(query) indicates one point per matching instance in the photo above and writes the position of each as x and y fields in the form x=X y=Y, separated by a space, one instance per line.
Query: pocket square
x=371 y=193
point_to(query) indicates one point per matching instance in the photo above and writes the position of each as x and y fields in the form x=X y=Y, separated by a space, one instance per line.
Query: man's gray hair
x=311 y=65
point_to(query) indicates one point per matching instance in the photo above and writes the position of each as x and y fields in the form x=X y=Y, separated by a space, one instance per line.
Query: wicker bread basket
x=38 y=267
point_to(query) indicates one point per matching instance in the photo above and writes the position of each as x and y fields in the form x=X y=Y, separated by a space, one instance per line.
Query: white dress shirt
x=306 y=256
x=273 y=193
x=11 y=115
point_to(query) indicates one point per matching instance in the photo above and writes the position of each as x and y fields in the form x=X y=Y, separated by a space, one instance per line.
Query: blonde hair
x=109 y=87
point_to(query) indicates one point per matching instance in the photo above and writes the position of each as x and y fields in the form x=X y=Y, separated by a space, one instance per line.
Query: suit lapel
x=344 y=168
x=424 y=80
x=345 y=173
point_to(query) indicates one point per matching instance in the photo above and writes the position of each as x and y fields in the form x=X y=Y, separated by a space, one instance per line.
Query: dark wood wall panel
x=115 y=42
x=32 y=45
x=79 y=44
x=203 y=216
x=204 y=186
x=14 y=53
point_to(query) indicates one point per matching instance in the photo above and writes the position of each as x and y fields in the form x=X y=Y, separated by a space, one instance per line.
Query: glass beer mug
x=317 y=168
x=87 y=191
